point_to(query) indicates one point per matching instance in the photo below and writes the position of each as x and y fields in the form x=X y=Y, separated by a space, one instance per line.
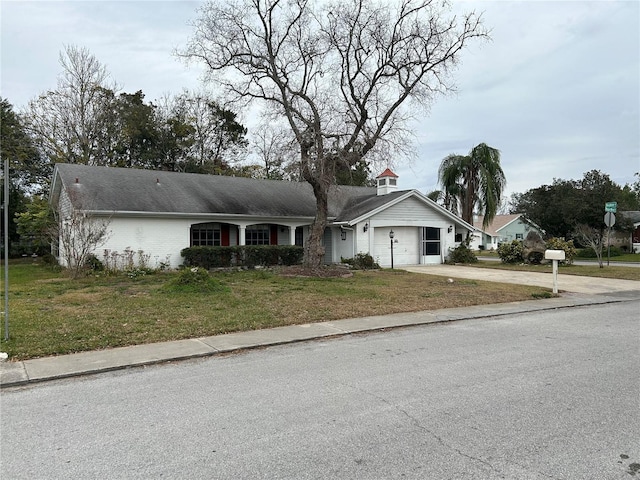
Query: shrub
x=462 y=254
x=561 y=244
x=362 y=261
x=589 y=253
x=242 y=256
x=93 y=264
x=511 y=252
x=195 y=280
x=50 y=260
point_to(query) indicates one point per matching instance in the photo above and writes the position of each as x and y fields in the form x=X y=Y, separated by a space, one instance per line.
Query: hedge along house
x=160 y=213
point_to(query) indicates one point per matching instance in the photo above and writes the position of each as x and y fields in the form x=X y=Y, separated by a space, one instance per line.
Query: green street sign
x=611 y=207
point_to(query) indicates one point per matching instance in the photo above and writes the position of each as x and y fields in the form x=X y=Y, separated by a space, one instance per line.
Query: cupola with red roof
x=386 y=182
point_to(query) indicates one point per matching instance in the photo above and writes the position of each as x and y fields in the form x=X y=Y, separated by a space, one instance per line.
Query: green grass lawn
x=627 y=257
x=51 y=314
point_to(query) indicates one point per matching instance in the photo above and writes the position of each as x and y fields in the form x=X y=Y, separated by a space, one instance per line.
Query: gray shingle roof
x=631 y=215
x=132 y=190
x=358 y=206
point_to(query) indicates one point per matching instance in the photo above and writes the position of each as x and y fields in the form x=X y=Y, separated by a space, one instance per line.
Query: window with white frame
x=430 y=241
x=257 y=235
x=205 y=235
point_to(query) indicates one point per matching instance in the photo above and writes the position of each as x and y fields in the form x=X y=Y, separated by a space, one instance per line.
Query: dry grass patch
x=56 y=315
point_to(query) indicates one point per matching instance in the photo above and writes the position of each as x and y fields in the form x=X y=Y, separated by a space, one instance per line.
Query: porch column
x=292 y=235
x=243 y=235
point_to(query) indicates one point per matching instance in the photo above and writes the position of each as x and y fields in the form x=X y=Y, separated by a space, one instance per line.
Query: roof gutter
x=138 y=214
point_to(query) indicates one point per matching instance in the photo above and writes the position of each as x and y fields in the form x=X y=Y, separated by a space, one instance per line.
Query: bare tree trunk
x=314 y=249
x=320 y=182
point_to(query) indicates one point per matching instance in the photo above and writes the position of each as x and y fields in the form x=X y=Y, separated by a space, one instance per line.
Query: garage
x=406 y=243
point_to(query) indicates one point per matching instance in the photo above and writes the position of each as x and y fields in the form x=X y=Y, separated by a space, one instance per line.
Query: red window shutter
x=224 y=235
x=274 y=235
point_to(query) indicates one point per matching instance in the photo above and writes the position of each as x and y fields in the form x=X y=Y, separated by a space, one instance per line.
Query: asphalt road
x=551 y=395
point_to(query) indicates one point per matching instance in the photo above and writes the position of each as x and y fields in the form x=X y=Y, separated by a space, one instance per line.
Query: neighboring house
x=629 y=241
x=503 y=228
x=160 y=213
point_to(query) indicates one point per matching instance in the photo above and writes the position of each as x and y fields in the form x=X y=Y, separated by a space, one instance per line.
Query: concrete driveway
x=566 y=283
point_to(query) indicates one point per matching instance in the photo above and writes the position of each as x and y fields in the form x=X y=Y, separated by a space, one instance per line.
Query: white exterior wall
x=363 y=240
x=342 y=248
x=158 y=237
x=406 y=220
x=163 y=238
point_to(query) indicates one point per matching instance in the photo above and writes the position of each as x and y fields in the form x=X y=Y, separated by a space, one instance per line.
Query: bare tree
x=342 y=74
x=273 y=147
x=69 y=123
x=596 y=238
x=77 y=232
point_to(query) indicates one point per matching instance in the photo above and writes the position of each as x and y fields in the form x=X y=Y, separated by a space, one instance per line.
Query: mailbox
x=554 y=254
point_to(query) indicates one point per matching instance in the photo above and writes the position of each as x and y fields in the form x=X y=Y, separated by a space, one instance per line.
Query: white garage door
x=406 y=246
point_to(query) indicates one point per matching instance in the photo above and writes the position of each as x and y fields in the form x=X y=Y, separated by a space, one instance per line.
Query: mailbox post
x=554 y=255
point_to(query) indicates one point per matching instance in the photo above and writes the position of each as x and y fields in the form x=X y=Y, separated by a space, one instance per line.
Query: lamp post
x=391 y=238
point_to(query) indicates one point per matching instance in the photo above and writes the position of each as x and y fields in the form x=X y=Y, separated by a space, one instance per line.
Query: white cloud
x=557 y=90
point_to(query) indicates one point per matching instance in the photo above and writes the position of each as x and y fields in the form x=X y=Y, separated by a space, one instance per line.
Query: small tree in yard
x=78 y=233
x=340 y=74
x=36 y=225
x=596 y=238
x=569 y=249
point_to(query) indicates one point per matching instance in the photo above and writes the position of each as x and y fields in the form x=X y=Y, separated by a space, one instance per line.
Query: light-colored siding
x=410 y=212
x=363 y=240
x=342 y=248
x=510 y=232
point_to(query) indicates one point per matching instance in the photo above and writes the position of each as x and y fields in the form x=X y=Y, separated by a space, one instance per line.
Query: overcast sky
x=557 y=90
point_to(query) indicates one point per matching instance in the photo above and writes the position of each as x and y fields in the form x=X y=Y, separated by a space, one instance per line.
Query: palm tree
x=475 y=180
x=444 y=199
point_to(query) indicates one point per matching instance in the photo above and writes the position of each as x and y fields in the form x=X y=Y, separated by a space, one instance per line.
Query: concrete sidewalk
x=575 y=292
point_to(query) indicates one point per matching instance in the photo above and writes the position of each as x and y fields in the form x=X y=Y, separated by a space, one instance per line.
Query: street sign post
x=611 y=207
x=609 y=221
